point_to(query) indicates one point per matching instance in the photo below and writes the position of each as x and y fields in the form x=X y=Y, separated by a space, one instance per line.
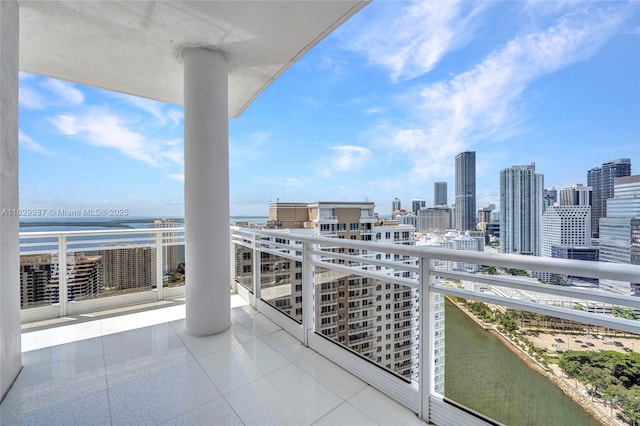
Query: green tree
x=626 y=313
x=612 y=392
x=631 y=404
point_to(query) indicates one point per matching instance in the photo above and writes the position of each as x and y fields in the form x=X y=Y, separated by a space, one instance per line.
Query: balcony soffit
x=135 y=47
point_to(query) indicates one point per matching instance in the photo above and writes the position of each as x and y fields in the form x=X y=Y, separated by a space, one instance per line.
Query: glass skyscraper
x=440 y=193
x=466 y=191
x=521 y=208
x=600 y=179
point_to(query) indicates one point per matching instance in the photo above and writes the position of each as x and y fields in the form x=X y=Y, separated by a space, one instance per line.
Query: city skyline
x=366 y=115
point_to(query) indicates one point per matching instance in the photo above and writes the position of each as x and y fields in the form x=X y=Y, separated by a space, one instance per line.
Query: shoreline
x=572 y=393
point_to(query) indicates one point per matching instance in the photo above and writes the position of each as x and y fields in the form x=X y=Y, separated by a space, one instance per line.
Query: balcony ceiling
x=135 y=47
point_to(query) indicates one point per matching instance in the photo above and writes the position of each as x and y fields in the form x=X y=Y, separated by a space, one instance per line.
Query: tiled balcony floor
x=139 y=367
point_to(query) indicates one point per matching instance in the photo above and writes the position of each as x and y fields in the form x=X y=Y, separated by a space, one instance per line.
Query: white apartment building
x=565 y=226
x=455 y=240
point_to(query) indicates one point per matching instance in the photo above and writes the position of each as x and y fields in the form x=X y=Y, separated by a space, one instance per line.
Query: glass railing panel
x=173 y=265
x=511 y=365
x=377 y=320
x=38 y=280
x=38 y=270
x=243 y=273
x=281 y=284
x=110 y=272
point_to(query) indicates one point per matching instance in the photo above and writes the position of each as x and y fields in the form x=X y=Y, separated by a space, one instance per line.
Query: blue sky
x=377 y=110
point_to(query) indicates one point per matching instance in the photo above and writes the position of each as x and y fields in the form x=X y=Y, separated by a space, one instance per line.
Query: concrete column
x=10 y=349
x=206 y=191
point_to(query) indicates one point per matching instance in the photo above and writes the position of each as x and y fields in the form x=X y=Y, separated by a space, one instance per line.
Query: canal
x=482 y=374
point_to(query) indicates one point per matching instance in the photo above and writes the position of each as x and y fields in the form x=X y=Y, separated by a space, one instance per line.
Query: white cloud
x=346 y=158
x=41 y=92
x=102 y=128
x=66 y=93
x=157 y=109
x=412 y=42
x=483 y=103
x=176 y=176
x=30 y=144
x=30 y=98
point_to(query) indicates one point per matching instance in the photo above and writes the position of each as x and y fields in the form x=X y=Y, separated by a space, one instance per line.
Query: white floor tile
x=216 y=412
x=258 y=324
x=242 y=311
x=131 y=321
x=122 y=341
x=203 y=346
x=287 y=345
x=331 y=375
x=345 y=415
x=144 y=360
x=173 y=313
x=60 y=335
x=383 y=409
x=288 y=396
x=88 y=409
x=41 y=385
x=162 y=396
x=82 y=349
x=241 y=364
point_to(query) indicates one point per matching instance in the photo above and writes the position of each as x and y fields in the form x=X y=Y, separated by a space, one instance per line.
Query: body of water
x=484 y=375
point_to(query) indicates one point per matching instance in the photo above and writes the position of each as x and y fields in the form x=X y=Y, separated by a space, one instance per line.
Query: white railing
x=61 y=250
x=329 y=260
x=314 y=260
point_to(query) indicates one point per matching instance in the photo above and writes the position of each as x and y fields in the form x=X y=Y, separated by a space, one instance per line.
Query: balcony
x=137 y=366
x=368 y=219
x=326 y=219
x=97 y=353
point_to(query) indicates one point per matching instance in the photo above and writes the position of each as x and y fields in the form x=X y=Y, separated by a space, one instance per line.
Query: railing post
x=159 y=264
x=308 y=292
x=62 y=275
x=256 y=271
x=232 y=260
x=427 y=335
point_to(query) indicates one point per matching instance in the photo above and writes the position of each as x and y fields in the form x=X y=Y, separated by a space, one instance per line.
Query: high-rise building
x=550 y=197
x=466 y=191
x=128 y=267
x=521 y=208
x=568 y=226
x=440 y=193
x=576 y=195
x=417 y=204
x=434 y=219
x=620 y=232
x=600 y=179
x=371 y=317
x=395 y=205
